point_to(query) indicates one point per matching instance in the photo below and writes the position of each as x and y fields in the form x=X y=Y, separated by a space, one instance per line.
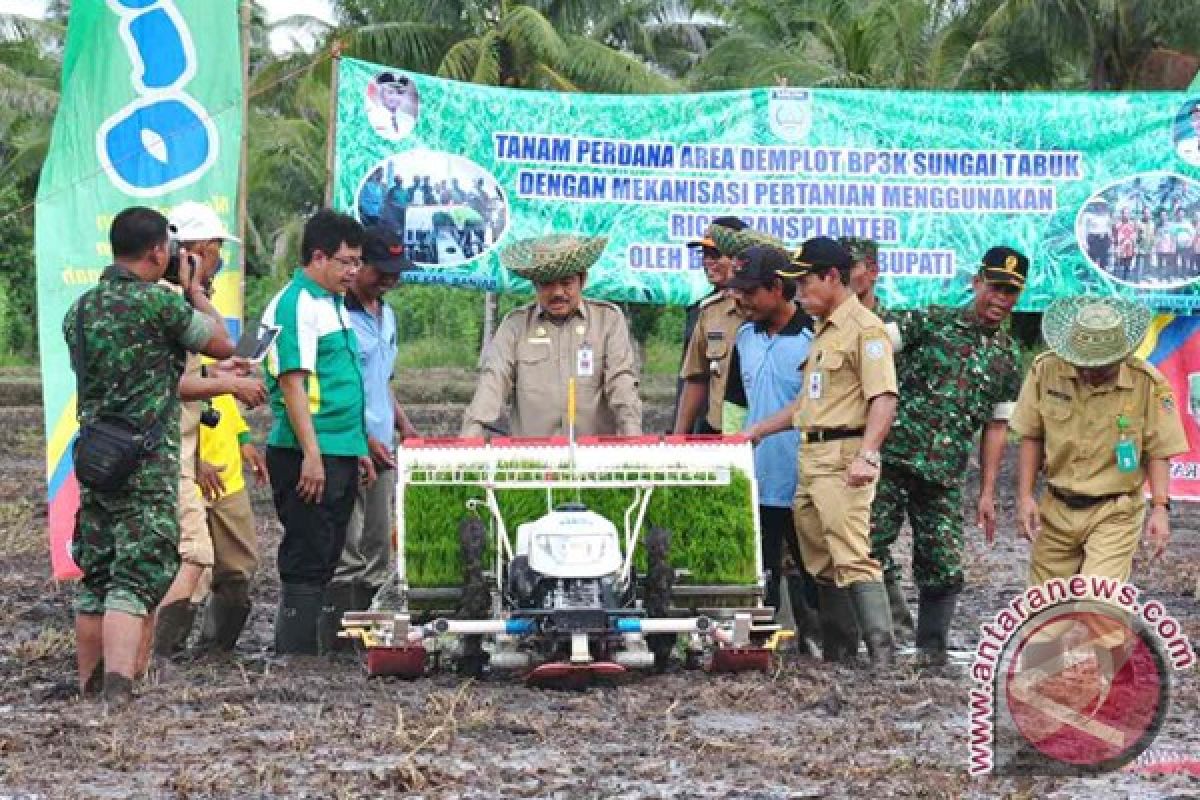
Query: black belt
x=1079 y=502
x=830 y=434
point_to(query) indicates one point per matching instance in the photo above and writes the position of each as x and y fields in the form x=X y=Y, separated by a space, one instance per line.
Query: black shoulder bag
x=108 y=448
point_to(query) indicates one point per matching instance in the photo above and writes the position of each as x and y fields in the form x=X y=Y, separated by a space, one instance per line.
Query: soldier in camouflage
x=958 y=374
x=128 y=338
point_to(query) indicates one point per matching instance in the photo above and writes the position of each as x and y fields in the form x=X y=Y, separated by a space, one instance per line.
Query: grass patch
x=438 y=352
x=713 y=527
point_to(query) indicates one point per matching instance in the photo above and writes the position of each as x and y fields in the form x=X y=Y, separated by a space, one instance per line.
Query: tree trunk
x=490 y=301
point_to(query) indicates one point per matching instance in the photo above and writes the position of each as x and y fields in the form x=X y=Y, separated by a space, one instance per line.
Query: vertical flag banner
x=1173 y=345
x=150 y=114
x=1100 y=189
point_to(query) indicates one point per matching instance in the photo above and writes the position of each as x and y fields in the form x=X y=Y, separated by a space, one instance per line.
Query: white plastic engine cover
x=571 y=544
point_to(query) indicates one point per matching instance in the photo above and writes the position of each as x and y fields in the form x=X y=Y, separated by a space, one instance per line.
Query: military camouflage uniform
x=136 y=337
x=955 y=375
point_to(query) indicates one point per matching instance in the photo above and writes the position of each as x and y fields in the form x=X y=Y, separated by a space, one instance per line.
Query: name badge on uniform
x=585 y=365
x=815 y=384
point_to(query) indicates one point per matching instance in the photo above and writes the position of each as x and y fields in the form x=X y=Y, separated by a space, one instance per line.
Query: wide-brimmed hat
x=553 y=257
x=735 y=243
x=1091 y=331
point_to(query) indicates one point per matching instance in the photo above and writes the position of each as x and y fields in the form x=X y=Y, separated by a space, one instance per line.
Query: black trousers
x=779 y=531
x=313 y=533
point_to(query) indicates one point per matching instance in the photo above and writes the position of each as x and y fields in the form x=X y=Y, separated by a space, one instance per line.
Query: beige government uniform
x=709 y=349
x=849 y=363
x=531 y=359
x=195 y=541
x=1078 y=426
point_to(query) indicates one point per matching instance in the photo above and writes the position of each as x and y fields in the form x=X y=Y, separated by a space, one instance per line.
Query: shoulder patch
x=711 y=300
x=875 y=349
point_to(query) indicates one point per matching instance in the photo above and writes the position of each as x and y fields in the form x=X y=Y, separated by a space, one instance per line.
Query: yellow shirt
x=1077 y=423
x=709 y=350
x=849 y=363
x=221 y=446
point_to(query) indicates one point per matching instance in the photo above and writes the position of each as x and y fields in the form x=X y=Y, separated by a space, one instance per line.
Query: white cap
x=197 y=222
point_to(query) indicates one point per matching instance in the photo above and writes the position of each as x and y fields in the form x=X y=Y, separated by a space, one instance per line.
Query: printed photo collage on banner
x=446 y=208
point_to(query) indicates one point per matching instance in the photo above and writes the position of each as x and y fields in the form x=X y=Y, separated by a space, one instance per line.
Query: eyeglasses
x=352 y=263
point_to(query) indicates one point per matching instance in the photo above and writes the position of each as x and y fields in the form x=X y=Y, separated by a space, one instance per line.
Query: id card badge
x=585 y=365
x=1127 y=455
x=815 y=384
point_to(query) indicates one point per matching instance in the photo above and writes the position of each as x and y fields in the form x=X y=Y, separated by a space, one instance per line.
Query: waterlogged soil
x=257 y=726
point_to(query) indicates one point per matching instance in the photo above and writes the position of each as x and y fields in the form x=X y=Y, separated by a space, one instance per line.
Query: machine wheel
x=476 y=598
x=656 y=596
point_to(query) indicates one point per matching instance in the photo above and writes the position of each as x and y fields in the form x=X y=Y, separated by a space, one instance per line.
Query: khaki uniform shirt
x=531 y=359
x=849 y=363
x=1077 y=424
x=189 y=425
x=709 y=349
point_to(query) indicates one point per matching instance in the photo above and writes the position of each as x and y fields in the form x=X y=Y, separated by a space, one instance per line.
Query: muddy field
x=261 y=727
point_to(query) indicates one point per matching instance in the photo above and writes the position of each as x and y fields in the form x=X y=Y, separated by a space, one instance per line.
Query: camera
x=209 y=416
x=173 y=254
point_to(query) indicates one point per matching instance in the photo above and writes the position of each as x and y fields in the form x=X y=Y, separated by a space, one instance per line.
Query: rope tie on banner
x=333 y=52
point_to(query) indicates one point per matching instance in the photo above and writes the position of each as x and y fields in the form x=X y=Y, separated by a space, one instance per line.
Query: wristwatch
x=870 y=456
x=1165 y=502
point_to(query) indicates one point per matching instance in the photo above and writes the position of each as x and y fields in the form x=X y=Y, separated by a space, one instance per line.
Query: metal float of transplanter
x=567 y=606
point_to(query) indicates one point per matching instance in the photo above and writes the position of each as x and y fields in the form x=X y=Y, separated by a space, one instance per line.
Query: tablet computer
x=256 y=342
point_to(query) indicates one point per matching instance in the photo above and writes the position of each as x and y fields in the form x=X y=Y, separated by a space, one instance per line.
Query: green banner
x=150 y=114
x=1101 y=190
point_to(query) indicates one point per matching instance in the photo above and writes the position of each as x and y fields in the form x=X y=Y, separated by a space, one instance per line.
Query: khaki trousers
x=833 y=520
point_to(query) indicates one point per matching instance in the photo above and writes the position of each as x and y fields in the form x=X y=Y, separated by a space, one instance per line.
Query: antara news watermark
x=1072 y=677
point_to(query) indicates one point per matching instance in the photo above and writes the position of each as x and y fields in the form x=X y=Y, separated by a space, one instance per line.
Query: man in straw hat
x=708 y=338
x=539 y=347
x=843 y=414
x=959 y=375
x=1099 y=422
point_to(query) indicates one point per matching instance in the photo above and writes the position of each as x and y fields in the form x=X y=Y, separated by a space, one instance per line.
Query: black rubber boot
x=224 y=617
x=93 y=687
x=172 y=626
x=934 y=614
x=296 y=620
x=874 y=618
x=338 y=599
x=902 y=621
x=808 y=625
x=839 y=629
x=118 y=690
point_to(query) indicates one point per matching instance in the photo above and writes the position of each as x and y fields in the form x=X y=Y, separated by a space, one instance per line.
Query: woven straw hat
x=1091 y=331
x=553 y=257
x=735 y=243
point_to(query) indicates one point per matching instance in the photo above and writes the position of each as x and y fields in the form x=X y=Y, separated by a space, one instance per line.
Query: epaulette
x=715 y=297
x=604 y=304
x=1141 y=365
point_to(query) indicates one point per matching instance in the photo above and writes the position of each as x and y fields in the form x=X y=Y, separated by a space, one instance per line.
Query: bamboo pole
x=331 y=126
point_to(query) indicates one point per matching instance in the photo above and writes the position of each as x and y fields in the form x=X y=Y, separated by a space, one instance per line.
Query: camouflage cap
x=735 y=243
x=552 y=257
x=860 y=249
x=1092 y=331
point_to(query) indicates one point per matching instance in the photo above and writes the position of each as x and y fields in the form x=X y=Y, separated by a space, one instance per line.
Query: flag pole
x=244 y=15
x=331 y=127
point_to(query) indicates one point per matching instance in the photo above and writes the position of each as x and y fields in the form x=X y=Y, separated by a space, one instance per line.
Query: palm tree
x=824 y=43
x=1094 y=44
x=540 y=45
x=30 y=64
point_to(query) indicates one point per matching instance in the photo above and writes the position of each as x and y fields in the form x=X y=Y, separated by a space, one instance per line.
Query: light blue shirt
x=377 y=349
x=766 y=374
